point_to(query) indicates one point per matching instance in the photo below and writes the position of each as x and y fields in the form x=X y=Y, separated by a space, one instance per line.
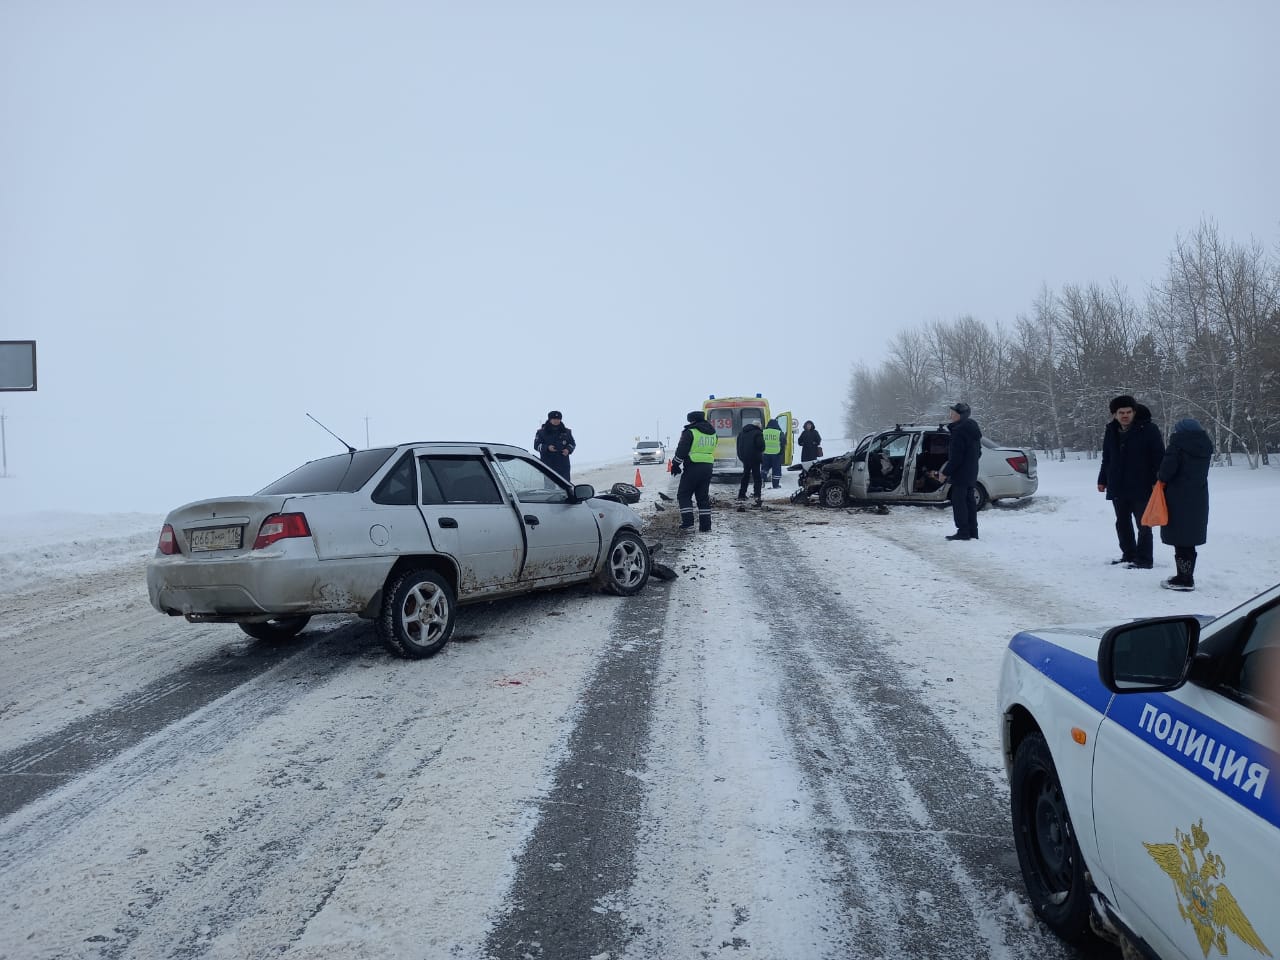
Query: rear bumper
x=1010 y=486
x=263 y=585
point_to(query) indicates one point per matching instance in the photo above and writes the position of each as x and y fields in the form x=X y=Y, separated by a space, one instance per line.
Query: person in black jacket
x=554 y=443
x=810 y=441
x=751 y=453
x=961 y=469
x=1184 y=470
x=1131 y=452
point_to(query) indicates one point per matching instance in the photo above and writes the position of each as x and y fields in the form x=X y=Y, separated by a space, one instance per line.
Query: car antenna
x=350 y=448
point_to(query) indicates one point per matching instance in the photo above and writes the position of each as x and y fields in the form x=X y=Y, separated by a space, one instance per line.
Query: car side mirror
x=1147 y=656
x=583 y=491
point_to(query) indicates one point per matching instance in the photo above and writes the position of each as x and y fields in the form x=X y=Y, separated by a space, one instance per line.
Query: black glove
x=675 y=468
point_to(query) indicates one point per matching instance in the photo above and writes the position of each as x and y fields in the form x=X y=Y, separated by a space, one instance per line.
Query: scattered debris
x=662 y=571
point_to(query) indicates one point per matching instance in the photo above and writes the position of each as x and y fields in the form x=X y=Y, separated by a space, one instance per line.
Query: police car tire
x=1055 y=877
x=279 y=630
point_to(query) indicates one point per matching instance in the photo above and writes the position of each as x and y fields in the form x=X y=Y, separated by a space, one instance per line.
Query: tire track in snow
x=909 y=816
x=581 y=854
x=230 y=831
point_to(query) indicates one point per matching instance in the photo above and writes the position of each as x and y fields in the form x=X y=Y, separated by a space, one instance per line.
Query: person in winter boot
x=961 y=469
x=1184 y=470
x=774 y=437
x=1131 y=452
x=810 y=441
x=692 y=463
x=554 y=443
x=750 y=452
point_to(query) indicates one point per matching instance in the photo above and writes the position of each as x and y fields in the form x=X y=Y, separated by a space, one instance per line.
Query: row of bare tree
x=1205 y=343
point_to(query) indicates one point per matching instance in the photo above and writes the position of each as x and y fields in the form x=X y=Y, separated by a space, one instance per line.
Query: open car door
x=787 y=423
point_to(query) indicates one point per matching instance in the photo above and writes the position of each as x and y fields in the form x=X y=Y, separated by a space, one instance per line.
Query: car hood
x=614 y=515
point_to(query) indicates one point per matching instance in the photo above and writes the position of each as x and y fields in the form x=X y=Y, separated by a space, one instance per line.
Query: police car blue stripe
x=1212 y=740
x=1078 y=675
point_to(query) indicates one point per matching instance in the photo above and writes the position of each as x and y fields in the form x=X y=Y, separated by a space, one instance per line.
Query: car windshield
x=648 y=445
x=344 y=473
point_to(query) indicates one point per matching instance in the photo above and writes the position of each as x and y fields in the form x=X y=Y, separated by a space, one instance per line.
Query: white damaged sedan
x=1141 y=763
x=400 y=535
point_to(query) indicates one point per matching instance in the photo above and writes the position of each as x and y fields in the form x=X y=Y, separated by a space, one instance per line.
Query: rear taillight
x=281 y=526
x=168 y=544
x=1019 y=464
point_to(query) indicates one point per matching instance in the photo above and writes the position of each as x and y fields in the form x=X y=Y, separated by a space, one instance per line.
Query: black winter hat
x=555 y=415
x=693 y=416
x=1124 y=400
x=960 y=407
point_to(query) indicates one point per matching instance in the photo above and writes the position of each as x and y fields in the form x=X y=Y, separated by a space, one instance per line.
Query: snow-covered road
x=789 y=751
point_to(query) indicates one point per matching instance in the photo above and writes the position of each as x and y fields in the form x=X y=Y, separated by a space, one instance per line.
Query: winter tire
x=983 y=498
x=416 y=620
x=279 y=630
x=833 y=493
x=627 y=565
x=626 y=492
x=1052 y=866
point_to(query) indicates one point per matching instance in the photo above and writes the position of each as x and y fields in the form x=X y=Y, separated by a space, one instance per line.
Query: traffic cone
x=639 y=482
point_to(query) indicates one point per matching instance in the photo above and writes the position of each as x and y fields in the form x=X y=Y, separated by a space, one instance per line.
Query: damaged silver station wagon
x=400 y=535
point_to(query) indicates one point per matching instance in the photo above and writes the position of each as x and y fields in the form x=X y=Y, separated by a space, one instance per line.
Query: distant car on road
x=899 y=466
x=1142 y=780
x=399 y=535
x=649 y=451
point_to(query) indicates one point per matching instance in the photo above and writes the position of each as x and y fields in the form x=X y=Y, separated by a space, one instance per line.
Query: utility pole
x=4 y=448
x=366 y=433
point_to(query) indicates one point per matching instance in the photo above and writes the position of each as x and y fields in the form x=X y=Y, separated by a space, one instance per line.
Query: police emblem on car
x=1203 y=899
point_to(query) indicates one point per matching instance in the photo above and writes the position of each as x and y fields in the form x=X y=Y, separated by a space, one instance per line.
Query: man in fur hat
x=1131 y=452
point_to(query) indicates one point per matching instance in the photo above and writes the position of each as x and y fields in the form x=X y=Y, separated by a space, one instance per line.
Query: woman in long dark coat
x=1185 y=472
x=810 y=442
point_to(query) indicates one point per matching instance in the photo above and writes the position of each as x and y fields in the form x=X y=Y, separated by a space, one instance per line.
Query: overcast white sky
x=450 y=218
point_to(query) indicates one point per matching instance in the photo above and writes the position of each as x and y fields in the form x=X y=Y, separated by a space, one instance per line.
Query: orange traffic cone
x=639 y=482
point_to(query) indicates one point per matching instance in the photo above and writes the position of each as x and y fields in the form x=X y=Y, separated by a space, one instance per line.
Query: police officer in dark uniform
x=554 y=443
x=692 y=463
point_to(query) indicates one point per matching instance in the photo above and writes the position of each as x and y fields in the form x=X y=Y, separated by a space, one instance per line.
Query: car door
x=563 y=538
x=858 y=475
x=787 y=423
x=884 y=464
x=929 y=454
x=470 y=519
x=1187 y=811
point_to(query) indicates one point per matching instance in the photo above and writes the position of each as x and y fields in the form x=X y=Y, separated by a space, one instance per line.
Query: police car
x=1142 y=772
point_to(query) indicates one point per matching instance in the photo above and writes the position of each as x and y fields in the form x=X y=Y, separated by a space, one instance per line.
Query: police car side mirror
x=1147 y=656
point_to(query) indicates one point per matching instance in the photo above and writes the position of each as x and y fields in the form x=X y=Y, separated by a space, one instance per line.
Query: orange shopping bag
x=1157 y=512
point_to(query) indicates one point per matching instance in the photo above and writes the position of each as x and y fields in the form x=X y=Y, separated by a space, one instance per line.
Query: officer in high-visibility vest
x=773 y=452
x=692 y=463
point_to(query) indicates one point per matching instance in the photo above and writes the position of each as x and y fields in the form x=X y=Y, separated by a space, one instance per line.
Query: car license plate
x=215 y=538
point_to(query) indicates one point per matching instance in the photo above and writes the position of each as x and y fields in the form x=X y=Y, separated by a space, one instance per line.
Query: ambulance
x=729 y=415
